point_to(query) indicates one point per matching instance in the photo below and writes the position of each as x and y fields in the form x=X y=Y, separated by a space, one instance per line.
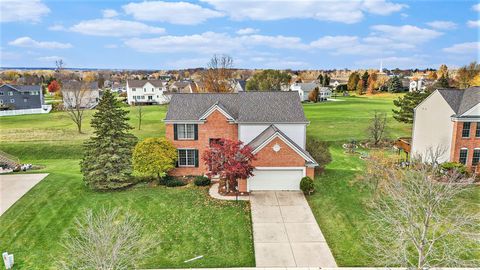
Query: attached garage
x=276 y=178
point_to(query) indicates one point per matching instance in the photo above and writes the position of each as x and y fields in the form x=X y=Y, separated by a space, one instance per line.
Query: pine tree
x=107 y=161
x=365 y=81
x=394 y=85
x=406 y=104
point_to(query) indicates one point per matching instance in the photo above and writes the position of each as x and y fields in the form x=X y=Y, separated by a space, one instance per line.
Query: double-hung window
x=476 y=157
x=463 y=156
x=477 y=130
x=185 y=131
x=466 y=129
x=187 y=157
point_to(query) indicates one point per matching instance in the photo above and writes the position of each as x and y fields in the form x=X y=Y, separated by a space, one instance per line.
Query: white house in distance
x=449 y=120
x=304 y=90
x=417 y=85
x=84 y=95
x=147 y=92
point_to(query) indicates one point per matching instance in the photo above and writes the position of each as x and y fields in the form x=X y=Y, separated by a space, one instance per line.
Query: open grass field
x=187 y=222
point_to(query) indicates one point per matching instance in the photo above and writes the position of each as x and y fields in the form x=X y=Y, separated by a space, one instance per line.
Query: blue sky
x=295 y=34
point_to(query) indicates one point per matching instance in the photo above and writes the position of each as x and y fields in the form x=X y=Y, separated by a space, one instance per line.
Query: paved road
x=285 y=232
x=14 y=186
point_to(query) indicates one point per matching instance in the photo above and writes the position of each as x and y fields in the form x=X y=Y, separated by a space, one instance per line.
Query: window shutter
x=195 y=131
x=175 y=133
x=196 y=157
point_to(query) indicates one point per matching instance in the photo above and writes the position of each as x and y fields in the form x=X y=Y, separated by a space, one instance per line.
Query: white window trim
x=186 y=157
x=466 y=159
x=185 y=133
x=473 y=155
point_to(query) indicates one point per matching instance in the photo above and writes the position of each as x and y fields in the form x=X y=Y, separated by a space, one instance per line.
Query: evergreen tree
x=406 y=104
x=107 y=162
x=394 y=85
x=365 y=81
x=326 y=81
x=442 y=82
x=320 y=79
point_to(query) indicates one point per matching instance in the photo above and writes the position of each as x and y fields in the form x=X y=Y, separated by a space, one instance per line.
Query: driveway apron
x=285 y=232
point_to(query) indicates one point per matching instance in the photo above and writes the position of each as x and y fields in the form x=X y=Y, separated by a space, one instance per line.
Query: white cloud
x=23 y=10
x=171 y=12
x=405 y=33
x=28 y=42
x=382 y=7
x=51 y=59
x=57 y=27
x=278 y=42
x=329 y=10
x=464 y=48
x=114 y=28
x=473 y=24
x=391 y=62
x=442 y=25
x=247 y=31
x=476 y=7
x=109 y=13
x=333 y=42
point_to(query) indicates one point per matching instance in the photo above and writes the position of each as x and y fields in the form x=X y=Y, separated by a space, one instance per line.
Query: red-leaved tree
x=230 y=160
x=53 y=87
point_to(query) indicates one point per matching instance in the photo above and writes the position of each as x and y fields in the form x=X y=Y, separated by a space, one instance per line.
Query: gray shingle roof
x=307 y=87
x=245 y=107
x=141 y=83
x=25 y=88
x=461 y=100
x=269 y=132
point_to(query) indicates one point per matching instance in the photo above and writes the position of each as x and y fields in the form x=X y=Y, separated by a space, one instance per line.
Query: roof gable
x=141 y=83
x=216 y=107
x=461 y=101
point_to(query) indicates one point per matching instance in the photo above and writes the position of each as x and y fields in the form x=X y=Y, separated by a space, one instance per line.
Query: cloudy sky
x=296 y=34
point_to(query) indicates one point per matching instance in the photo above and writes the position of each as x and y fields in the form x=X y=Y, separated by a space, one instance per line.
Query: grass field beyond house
x=187 y=222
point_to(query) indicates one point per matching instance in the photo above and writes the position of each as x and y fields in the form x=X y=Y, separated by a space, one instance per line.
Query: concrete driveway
x=285 y=232
x=14 y=186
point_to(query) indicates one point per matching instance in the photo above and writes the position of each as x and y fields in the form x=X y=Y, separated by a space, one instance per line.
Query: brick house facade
x=448 y=121
x=275 y=134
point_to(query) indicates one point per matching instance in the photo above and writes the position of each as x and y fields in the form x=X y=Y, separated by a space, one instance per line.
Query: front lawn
x=186 y=221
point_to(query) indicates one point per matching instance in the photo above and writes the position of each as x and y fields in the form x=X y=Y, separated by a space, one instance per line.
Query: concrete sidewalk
x=14 y=186
x=285 y=232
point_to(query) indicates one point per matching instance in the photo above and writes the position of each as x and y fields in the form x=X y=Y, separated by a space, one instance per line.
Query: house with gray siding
x=20 y=97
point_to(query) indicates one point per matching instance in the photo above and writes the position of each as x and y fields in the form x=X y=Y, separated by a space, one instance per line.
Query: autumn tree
x=364 y=78
x=371 y=83
x=442 y=71
x=217 y=78
x=105 y=240
x=53 y=87
x=466 y=74
x=268 y=80
x=230 y=160
x=154 y=157
x=360 y=89
x=377 y=127
x=313 y=95
x=353 y=81
x=421 y=221
x=406 y=104
x=107 y=160
x=76 y=96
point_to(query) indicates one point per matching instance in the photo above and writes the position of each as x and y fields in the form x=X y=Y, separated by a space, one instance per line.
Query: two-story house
x=147 y=92
x=273 y=124
x=304 y=89
x=448 y=122
x=80 y=94
x=21 y=97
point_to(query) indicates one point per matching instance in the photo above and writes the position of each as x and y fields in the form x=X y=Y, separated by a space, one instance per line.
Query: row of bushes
x=172 y=181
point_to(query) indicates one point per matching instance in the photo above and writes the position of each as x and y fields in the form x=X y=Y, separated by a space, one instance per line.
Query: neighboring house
x=147 y=92
x=449 y=120
x=239 y=85
x=417 y=85
x=83 y=95
x=118 y=88
x=21 y=97
x=183 y=87
x=324 y=93
x=272 y=123
x=303 y=89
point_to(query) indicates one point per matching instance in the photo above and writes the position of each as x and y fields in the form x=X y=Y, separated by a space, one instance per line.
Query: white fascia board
x=278 y=135
x=212 y=109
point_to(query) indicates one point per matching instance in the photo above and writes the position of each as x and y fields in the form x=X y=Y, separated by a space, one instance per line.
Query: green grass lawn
x=186 y=221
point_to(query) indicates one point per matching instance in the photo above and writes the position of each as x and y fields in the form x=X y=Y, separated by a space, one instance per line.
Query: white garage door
x=274 y=179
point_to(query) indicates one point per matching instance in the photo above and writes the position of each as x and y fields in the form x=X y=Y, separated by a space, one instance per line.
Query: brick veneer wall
x=215 y=126
x=458 y=142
